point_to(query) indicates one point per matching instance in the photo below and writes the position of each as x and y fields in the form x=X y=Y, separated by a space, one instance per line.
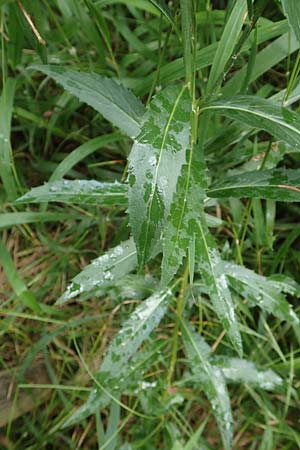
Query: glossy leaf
x=154 y=166
x=88 y=192
x=276 y=184
x=237 y=370
x=257 y=112
x=291 y=10
x=103 y=271
x=259 y=291
x=210 y=378
x=185 y=211
x=115 y=365
x=106 y=95
x=211 y=269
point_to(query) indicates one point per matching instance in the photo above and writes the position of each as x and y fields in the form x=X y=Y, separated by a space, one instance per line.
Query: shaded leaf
x=115 y=365
x=238 y=370
x=181 y=224
x=8 y=220
x=257 y=112
x=103 y=271
x=154 y=166
x=259 y=291
x=106 y=95
x=88 y=192
x=276 y=184
x=291 y=10
x=212 y=272
x=211 y=379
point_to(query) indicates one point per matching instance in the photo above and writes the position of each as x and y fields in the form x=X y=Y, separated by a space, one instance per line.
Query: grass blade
x=7 y=169
x=211 y=379
x=87 y=192
x=212 y=272
x=291 y=10
x=154 y=166
x=8 y=220
x=105 y=95
x=275 y=184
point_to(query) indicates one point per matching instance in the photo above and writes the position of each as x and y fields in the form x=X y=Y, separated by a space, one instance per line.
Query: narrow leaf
x=291 y=10
x=276 y=184
x=106 y=95
x=237 y=370
x=212 y=272
x=103 y=271
x=8 y=220
x=124 y=346
x=211 y=379
x=227 y=43
x=88 y=192
x=154 y=166
x=185 y=211
x=7 y=170
x=257 y=112
x=259 y=291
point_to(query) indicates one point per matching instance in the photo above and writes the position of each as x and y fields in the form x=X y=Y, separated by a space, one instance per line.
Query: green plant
x=185 y=140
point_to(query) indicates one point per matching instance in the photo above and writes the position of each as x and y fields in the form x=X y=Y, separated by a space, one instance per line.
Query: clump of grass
x=150 y=285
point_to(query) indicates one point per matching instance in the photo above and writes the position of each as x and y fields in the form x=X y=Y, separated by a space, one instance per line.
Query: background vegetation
x=208 y=357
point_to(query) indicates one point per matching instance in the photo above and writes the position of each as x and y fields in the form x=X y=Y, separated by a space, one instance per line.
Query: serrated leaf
x=103 y=271
x=275 y=184
x=257 y=112
x=237 y=370
x=185 y=211
x=259 y=291
x=87 y=192
x=154 y=166
x=105 y=95
x=211 y=379
x=291 y=10
x=124 y=346
x=211 y=269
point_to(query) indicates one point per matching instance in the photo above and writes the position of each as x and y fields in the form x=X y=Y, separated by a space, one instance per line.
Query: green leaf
x=227 y=43
x=185 y=211
x=103 y=271
x=8 y=220
x=7 y=169
x=163 y=8
x=115 y=365
x=257 y=112
x=212 y=272
x=105 y=95
x=87 y=192
x=276 y=184
x=236 y=370
x=291 y=10
x=211 y=379
x=259 y=291
x=154 y=166
x=16 y=282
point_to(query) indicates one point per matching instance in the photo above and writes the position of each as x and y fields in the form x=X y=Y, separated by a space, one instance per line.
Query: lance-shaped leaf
x=257 y=112
x=237 y=370
x=87 y=192
x=182 y=221
x=115 y=365
x=212 y=272
x=291 y=10
x=105 y=95
x=259 y=291
x=154 y=166
x=210 y=378
x=276 y=184
x=103 y=271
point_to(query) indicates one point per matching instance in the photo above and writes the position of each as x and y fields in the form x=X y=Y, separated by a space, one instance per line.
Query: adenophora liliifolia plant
x=170 y=183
